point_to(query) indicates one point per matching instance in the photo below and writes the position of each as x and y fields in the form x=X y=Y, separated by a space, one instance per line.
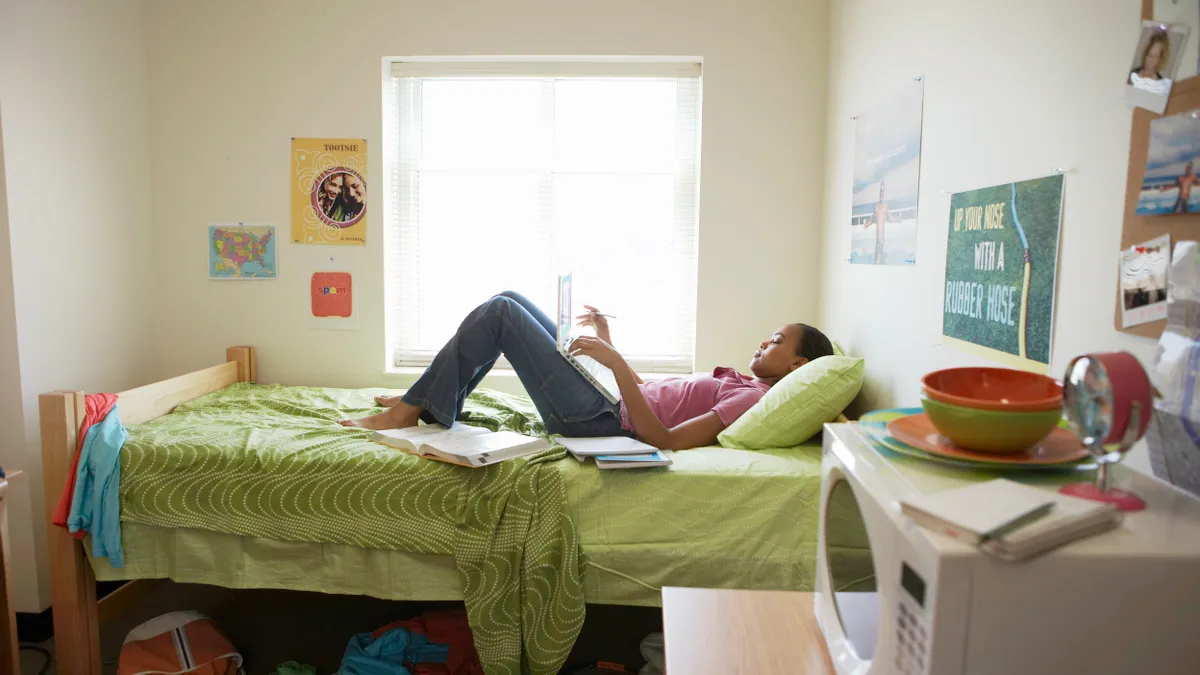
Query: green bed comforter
x=270 y=461
x=268 y=464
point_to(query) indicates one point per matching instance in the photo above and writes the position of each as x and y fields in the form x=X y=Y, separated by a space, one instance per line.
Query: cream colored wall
x=232 y=81
x=73 y=88
x=1012 y=90
x=12 y=418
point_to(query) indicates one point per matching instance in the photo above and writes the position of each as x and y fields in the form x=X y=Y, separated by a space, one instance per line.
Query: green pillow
x=796 y=407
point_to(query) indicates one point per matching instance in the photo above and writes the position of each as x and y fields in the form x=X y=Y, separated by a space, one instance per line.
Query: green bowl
x=998 y=431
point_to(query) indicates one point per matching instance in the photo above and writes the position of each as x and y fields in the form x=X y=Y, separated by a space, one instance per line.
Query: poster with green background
x=1001 y=264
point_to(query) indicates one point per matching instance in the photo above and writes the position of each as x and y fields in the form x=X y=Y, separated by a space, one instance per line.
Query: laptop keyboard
x=599 y=373
x=591 y=365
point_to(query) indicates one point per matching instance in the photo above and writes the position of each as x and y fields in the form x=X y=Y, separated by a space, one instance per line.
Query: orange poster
x=332 y=294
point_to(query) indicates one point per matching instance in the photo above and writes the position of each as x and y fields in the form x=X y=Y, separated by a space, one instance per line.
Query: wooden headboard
x=155 y=400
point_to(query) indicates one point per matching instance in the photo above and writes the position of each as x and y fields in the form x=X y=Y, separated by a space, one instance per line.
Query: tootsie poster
x=329 y=191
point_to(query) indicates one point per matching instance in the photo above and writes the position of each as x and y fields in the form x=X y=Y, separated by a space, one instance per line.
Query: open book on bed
x=462 y=445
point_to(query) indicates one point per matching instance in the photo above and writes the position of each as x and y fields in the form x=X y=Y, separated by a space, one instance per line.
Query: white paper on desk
x=605 y=445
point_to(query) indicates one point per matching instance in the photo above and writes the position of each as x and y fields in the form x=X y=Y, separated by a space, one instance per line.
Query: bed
x=235 y=484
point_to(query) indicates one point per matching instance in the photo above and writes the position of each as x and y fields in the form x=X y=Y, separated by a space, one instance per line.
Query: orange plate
x=1060 y=447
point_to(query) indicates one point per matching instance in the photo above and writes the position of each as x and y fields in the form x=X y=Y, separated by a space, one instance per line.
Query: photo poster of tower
x=887 y=171
x=1001 y=272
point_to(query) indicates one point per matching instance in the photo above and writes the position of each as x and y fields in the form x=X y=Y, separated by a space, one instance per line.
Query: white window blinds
x=505 y=174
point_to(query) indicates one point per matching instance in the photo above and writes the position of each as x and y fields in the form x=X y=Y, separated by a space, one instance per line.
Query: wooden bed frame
x=77 y=614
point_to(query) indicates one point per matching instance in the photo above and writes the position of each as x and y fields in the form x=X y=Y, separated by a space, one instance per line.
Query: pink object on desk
x=1123 y=499
x=1108 y=401
x=1129 y=383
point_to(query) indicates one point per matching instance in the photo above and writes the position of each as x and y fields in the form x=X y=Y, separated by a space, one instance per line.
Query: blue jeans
x=511 y=325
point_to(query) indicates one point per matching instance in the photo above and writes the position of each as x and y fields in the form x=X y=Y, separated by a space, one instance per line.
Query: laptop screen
x=564 y=310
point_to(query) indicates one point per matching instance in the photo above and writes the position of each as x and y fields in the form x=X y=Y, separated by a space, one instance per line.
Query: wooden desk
x=717 y=632
x=9 y=656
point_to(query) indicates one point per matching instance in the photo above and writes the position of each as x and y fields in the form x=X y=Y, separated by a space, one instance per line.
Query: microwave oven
x=892 y=597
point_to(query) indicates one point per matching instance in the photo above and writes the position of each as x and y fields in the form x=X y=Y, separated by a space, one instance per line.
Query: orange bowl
x=993 y=389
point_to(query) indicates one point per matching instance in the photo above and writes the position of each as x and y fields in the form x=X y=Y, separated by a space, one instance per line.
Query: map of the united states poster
x=241 y=252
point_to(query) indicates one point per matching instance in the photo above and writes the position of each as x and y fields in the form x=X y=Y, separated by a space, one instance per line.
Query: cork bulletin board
x=1185 y=97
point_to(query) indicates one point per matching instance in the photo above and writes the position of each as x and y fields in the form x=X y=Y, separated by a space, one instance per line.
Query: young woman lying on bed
x=674 y=413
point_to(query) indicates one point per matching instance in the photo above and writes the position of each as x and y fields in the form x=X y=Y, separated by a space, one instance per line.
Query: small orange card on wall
x=332 y=294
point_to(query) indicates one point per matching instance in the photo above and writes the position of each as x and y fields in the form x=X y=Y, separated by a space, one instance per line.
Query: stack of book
x=1010 y=520
x=616 y=452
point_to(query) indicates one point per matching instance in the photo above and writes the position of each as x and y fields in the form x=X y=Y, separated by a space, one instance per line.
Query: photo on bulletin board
x=887 y=171
x=1172 y=162
x=1184 y=13
x=1154 y=64
x=329 y=191
x=1001 y=269
x=240 y=251
x=1144 y=281
x=331 y=301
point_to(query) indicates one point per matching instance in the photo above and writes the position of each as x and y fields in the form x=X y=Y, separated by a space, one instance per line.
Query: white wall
x=73 y=88
x=12 y=418
x=1012 y=90
x=233 y=81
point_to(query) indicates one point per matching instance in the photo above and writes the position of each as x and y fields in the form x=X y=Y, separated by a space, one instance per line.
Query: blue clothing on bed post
x=96 y=503
x=511 y=325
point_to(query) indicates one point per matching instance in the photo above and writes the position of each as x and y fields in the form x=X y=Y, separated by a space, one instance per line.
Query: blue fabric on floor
x=388 y=654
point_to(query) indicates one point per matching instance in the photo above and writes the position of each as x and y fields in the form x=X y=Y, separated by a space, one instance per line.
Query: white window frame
x=397 y=242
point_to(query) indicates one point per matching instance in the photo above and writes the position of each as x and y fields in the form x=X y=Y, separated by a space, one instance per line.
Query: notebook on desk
x=1010 y=520
x=979 y=512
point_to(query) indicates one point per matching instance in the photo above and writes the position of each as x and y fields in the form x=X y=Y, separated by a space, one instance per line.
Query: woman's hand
x=597 y=349
x=596 y=321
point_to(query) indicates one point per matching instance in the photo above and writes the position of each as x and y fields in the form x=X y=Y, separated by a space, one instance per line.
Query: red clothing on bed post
x=97 y=407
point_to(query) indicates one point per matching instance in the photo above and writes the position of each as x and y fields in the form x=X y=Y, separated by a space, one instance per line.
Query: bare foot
x=398 y=416
x=386 y=401
x=378 y=421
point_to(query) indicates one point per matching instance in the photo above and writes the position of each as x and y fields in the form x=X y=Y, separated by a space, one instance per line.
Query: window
x=506 y=174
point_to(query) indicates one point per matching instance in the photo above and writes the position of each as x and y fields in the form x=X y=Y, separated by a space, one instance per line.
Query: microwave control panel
x=912 y=630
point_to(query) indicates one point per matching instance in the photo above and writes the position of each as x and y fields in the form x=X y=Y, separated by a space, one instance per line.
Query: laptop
x=599 y=376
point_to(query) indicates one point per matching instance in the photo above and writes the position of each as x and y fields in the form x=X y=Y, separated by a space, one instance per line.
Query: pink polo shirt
x=678 y=399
